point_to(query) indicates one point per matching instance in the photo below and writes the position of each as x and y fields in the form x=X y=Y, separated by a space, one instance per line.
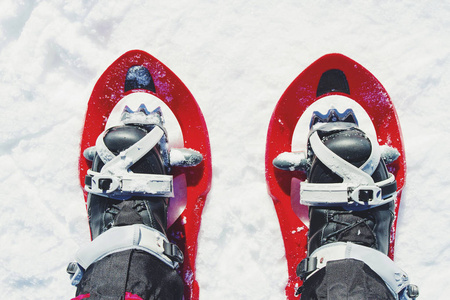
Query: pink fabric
x=130 y=296
x=82 y=297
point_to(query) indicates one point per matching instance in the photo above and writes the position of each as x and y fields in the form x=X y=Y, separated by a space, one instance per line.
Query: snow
x=237 y=58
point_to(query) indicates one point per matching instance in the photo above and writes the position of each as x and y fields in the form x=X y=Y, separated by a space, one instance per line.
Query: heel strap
x=394 y=277
x=116 y=239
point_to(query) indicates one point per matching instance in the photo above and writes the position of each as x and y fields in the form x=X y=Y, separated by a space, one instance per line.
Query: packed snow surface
x=236 y=57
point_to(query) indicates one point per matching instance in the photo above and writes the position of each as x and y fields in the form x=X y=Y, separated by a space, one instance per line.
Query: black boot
x=368 y=227
x=128 y=199
x=104 y=212
x=351 y=197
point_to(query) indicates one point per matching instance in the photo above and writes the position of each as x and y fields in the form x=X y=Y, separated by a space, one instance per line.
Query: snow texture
x=236 y=57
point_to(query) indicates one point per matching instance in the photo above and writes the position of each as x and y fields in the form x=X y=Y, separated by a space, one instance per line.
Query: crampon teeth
x=333 y=115
x=142 y=108
x=142 y=116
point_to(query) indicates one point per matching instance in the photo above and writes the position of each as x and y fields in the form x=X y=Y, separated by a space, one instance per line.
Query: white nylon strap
x=356 y=181
x=130 y=156
x=122 y=238
x=394 y=277
x=103 y=152
x=338 y=165
x=121 y=182
x=374 y=159
x=121 y=187
x=343 y=194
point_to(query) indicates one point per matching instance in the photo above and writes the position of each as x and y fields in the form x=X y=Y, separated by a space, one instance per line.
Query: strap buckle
x=306 y=267
x=366 y=195
x=125 y=185
x=98 y=183
x=76 y=272
x=173 y=252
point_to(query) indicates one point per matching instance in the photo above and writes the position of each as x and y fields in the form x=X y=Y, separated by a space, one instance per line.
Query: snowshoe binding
x=350 y=195
x=129 y=189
